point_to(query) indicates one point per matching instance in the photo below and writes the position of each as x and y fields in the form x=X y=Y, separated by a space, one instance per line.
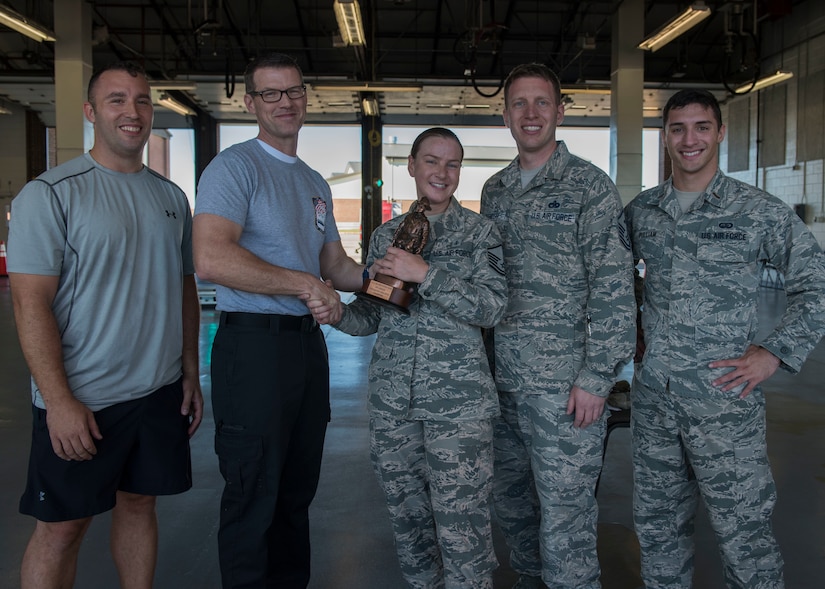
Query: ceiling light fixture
x=167 y=101
x=348 y=15
x=764 y=82
x=21 y=24
x=4 y=110
x=369 y=106
x=173 y=85
x=689 y=18
x=366 y=87
x=599 y=91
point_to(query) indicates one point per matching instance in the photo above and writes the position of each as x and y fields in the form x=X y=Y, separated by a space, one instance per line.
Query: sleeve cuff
x=593 y=383
x=787 y=359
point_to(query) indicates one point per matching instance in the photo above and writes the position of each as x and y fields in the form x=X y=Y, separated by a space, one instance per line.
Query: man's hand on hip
x=752 y=367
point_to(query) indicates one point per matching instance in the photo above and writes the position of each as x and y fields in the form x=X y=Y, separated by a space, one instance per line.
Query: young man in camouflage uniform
x=567 y=331
x=698 y=413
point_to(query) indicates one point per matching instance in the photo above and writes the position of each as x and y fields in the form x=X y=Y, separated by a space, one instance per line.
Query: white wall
x=794 y=182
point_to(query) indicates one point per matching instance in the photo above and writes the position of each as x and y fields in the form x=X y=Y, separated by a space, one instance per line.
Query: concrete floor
x=352 y=542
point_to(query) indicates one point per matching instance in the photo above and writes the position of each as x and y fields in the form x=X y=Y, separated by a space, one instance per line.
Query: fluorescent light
x=348 y=15
x=369 y=106
x=173 y=85
x=167 y=101
x=21 y=24
x=688 y=19
x=770 y=80
x=366 y=87
x=601 y=91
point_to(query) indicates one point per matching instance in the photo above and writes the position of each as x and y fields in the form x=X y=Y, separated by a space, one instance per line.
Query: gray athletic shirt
x=121 y=244
x=285 y=209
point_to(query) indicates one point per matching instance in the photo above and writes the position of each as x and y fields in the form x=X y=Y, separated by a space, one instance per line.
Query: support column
x=72 y=70
x=626 y=98
x=206 y=142
x=372 y=159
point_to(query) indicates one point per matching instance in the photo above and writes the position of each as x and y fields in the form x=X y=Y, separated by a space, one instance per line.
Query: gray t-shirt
x=285 y=209
x=121 y=244
x=528 y=175
x=686 y=199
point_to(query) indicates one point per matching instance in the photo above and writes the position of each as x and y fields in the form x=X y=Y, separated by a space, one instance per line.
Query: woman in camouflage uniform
x=431 y=395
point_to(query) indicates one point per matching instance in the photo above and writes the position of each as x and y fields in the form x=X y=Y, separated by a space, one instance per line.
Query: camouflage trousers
x=714 y=448
x=543 y=489
x=437 y=477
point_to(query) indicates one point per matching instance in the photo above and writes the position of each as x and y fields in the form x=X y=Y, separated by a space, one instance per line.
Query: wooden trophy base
x=387 y=291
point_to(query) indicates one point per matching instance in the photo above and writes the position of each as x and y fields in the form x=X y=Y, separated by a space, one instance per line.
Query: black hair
x=684 y=98
x=129 y=67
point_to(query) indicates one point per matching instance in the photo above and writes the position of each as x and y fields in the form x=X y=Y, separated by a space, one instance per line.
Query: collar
x=714 y=194
x=552 y=169
x=453 y=218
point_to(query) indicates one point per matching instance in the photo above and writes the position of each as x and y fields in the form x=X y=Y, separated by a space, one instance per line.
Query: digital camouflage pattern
x=432 y=398
x=431 y=364
x=442 y=528
x=570 y=311
x=724 y=442
x=701 y=283
x=702 y=279
x=569 y=321
x=548 y=491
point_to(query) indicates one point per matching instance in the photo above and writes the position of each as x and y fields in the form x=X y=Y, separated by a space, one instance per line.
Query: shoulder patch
x=320 y=213
x=495 y=256
x=622 y=227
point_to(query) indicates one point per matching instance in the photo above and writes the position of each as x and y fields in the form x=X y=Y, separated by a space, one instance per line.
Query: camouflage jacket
x=570 y=313
x=702 y=273
x=431 y=363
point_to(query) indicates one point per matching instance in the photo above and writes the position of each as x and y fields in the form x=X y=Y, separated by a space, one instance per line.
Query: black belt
x=275 y=323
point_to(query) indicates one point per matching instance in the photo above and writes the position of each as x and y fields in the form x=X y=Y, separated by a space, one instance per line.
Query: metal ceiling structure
x=458 y=51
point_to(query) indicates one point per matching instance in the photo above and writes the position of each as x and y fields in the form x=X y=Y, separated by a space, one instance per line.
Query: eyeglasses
x=293 y=93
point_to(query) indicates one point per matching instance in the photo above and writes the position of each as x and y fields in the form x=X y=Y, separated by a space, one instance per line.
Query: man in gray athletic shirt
x=101 y=273
x=265 y=234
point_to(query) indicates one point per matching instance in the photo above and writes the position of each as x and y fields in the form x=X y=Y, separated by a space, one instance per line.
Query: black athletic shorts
x=144 y=450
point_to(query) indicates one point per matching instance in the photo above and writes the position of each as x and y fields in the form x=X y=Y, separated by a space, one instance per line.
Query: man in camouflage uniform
x=567 y=331
x=698 y=413
x=431 y=395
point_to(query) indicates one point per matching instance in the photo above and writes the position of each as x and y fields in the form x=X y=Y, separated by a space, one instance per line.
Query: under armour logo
x=171 y=214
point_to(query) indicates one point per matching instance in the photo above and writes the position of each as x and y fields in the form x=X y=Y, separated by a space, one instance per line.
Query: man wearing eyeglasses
x=264 y=233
